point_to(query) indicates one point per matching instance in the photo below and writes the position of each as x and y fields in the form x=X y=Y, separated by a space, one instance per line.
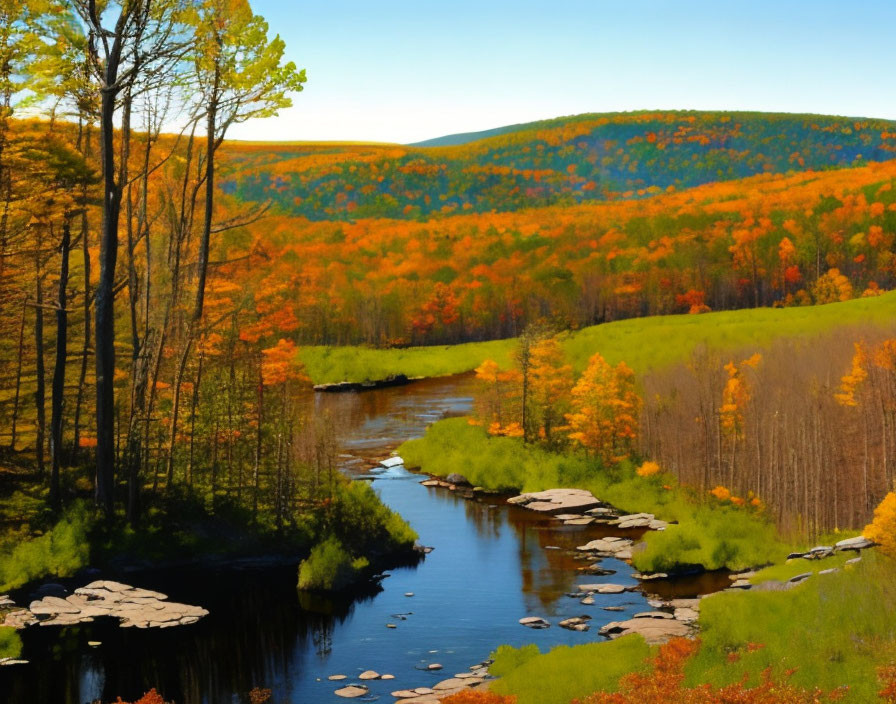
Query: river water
x=492 y=565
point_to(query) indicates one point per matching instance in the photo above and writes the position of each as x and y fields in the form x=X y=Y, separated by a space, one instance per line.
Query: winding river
x=492 y=565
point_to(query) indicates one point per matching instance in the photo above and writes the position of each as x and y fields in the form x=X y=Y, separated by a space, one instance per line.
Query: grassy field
x=333 y=364
x=833 y=632
x=643 y=343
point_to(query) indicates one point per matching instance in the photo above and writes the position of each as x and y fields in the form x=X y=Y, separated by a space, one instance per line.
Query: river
x=492 y=565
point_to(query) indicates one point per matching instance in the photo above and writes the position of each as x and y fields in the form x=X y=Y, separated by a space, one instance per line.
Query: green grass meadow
x=643 y=343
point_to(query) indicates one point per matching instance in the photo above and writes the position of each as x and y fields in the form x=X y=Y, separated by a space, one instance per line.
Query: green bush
x=566 y=673
x=10 y=643
x=714 y=536
x=60 y=552
x=330 y=567
x=363 y=524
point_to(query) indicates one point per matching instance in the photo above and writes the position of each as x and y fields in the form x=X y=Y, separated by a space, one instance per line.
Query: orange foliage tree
x=605 y=410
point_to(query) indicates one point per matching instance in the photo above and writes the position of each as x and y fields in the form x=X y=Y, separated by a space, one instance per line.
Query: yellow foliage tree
x=498 y=402
x=550 y=384
x=851 y=381
x=605 y=410
x=882 y=529
x=832 y=287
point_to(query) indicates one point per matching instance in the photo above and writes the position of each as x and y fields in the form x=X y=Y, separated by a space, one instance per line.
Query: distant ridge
x=454 y=140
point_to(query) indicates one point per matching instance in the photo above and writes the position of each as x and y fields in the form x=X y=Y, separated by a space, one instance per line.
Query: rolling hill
x=570 y=160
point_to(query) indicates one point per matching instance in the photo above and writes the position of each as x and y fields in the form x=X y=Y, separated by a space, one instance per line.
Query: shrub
x=60 y=552
x=566 y=672
x=330 y=567
x=363 y=524
x=664 y=684
x=10 y=643
x=478 y=697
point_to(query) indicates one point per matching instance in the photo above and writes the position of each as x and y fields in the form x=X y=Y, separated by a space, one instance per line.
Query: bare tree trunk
x=58 y=401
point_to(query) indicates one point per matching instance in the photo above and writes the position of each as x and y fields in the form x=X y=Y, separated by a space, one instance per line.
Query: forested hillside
x=565 y=161
x=767 y=240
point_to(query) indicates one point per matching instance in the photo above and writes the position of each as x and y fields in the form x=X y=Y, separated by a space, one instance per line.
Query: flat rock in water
x=369 y=675
x=608 y=546
x=587 y=601
x=579 y=522
x=351 y=691
x=604 y=588
x=452 y=683
x=557 y=501
x=404 y=694
x=431 y=482
x=534 y=622
x=613 y=608
x=390 y=462
x=654 y=614
x=434 y=666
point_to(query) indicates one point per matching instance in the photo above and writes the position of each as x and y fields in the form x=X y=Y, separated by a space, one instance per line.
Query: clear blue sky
x=402 y=71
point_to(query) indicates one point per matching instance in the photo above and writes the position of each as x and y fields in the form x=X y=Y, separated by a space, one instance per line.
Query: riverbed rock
x=605 y=588
x=610 y=546
x=390 y=462
x=686 y=615
x=369 y=675
x=457 y=479
x=134 y=607
x=337 y=678
x=351 y=692
x=588 y=601
x=654 y=614
x=653 y=630
x=430 y=482
x=579 y=521
x=434 y=666
x=452 y=683
x=858 y=543
x=576 y=623
x=554 y=501
x=534 y=622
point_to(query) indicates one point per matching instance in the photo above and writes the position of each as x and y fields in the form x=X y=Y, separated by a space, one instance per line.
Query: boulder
x=534 y=622
x=390 y=462
x=576 y=623
x=457 y=479
x=858 y=543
